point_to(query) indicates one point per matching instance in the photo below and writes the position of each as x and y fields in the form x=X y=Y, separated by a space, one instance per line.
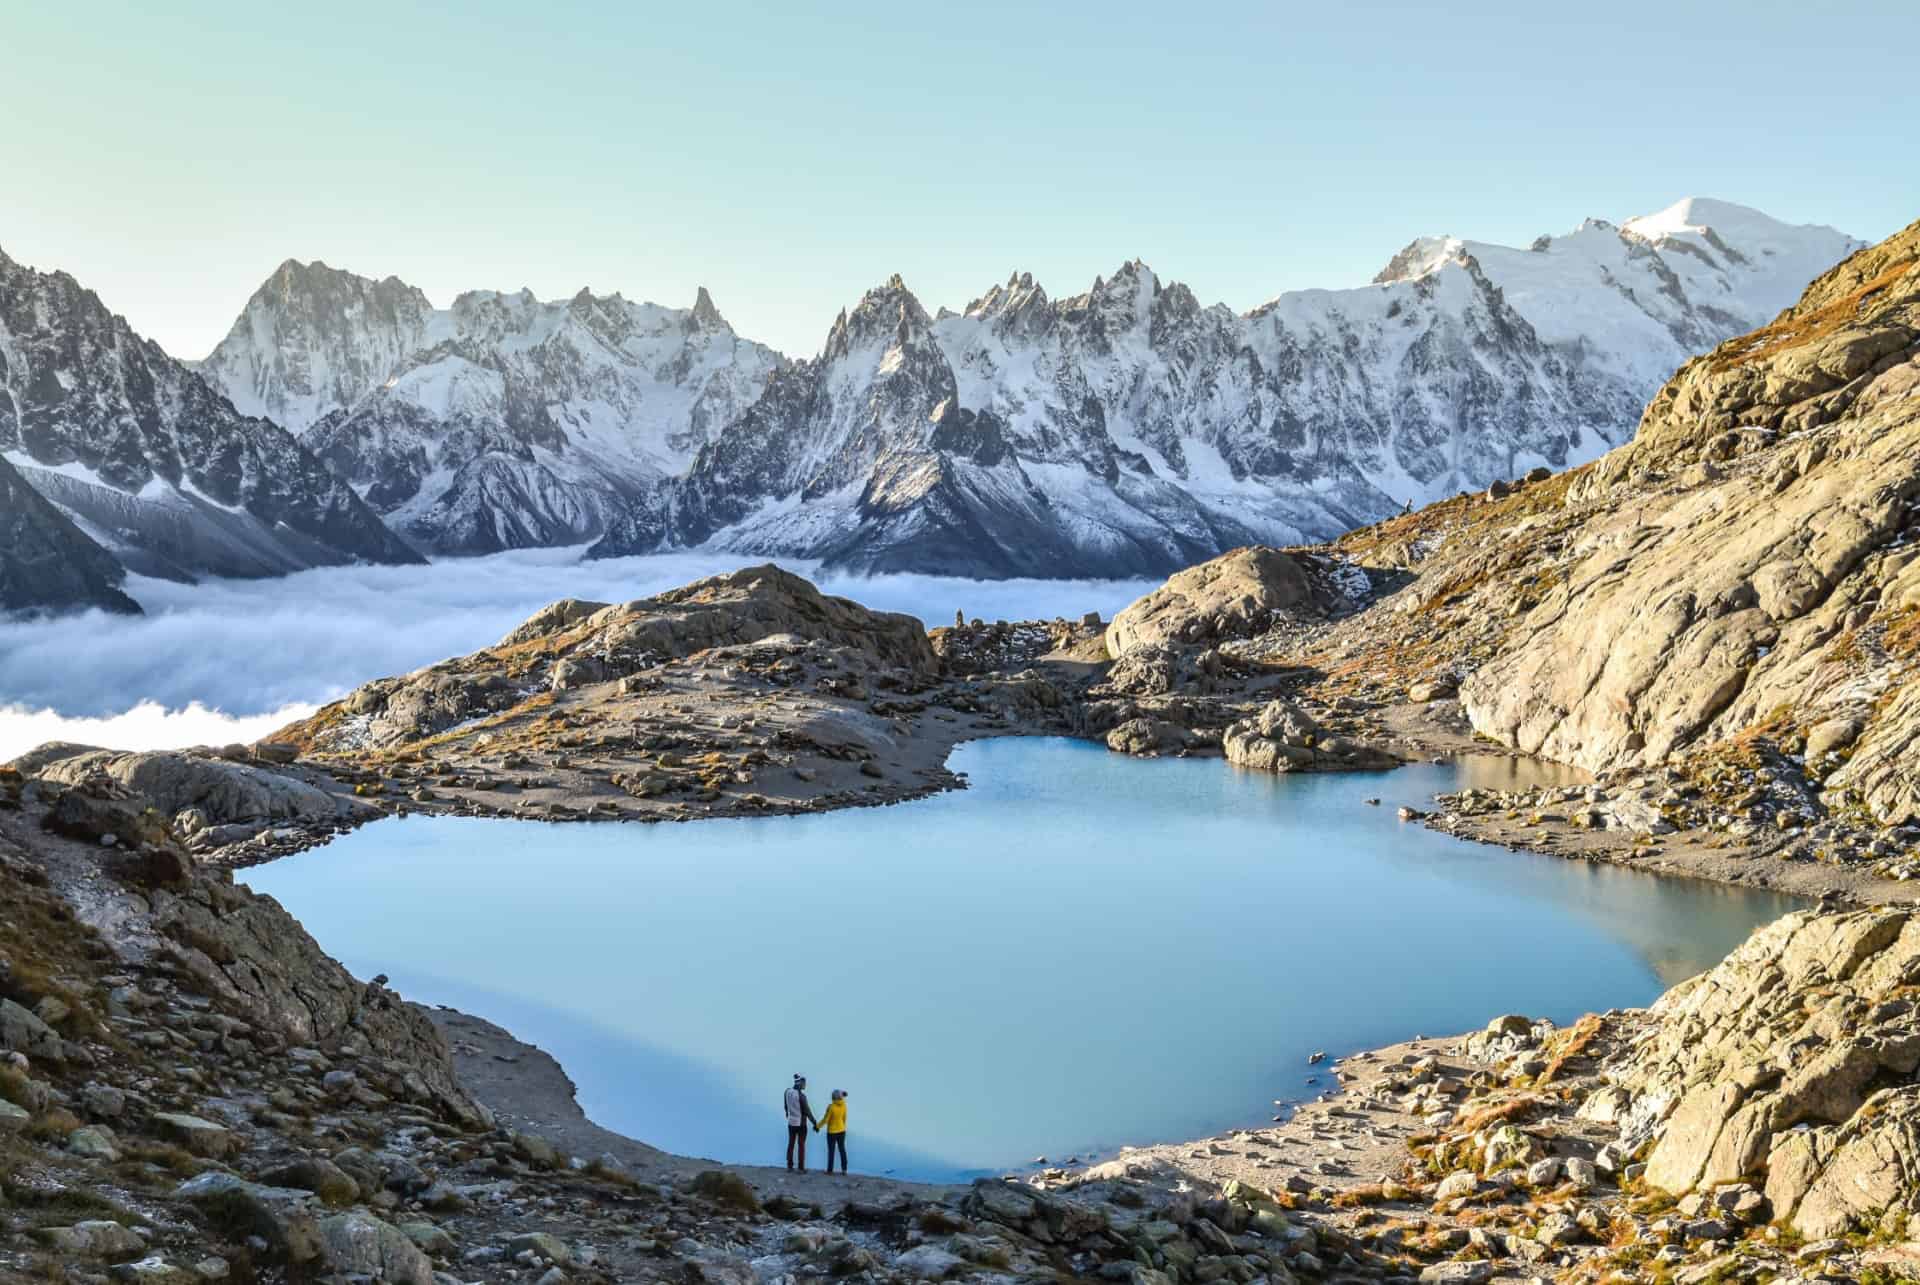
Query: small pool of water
x=1081 y=951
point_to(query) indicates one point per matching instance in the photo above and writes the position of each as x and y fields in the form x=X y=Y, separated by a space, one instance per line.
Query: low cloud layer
x=229 y=660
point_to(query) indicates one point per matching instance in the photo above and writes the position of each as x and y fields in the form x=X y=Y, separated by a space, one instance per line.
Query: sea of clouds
x=232 y=660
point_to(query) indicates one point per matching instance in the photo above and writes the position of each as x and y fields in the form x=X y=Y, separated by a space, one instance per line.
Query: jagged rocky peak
x=1125 y=297
x=313 y=336
x=1155 y=430
x=704 y=315
x=1422 y=255
x=889 y=313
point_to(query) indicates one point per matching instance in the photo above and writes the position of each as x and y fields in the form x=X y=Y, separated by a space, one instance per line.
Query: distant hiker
x=799 y=1116
x=836 y=1126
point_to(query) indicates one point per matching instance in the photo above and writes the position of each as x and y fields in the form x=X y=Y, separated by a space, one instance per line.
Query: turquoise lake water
x=1081 y=951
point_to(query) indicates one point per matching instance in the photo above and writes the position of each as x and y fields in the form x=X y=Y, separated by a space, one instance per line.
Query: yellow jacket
x=835 y=1120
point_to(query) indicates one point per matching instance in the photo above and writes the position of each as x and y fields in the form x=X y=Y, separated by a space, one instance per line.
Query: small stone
x=543 y=1246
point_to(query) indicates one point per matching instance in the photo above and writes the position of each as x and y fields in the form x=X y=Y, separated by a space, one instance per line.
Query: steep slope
x=46 y=562
x=1778 y=476
x=1132 y=430
x=501 y=422
x=1738 y=586
x=150 y=461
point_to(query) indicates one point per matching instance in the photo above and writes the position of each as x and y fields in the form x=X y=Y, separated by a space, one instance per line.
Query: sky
x=790 y=156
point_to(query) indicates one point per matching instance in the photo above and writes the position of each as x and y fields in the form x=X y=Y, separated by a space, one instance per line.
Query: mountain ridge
x=1125 y=429
x=149 y=460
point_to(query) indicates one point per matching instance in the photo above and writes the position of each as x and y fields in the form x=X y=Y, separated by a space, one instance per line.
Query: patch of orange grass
x=1508 y=1112
x=1795 y=331
x=1579 y=1040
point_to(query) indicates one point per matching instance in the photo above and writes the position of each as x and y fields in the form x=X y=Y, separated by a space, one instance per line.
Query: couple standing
x=800 y=1115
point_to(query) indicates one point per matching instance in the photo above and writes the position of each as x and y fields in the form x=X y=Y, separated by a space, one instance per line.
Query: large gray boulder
x=363 y=1247
x=1236 y=595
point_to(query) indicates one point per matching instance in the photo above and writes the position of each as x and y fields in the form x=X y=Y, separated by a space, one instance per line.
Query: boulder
x=318 y=1175
x=1147 y=736
x=544 y=1246
x=929 y=1263
x=201 y=1137
x=96 y=1238
x=280 y=1216
x=1237 y=595
x=1284 y=738
x=93 y=1142
x=363 y=1247
x=21 y=1031
x=725 y=1188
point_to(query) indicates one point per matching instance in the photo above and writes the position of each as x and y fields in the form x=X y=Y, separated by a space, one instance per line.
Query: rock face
x=175 y=782
x=1237 y=595
x=1120 y=431
x=1747 y=559
x=1792 y=1060
x=47 y=564
x=501 y=422
x=146 y=458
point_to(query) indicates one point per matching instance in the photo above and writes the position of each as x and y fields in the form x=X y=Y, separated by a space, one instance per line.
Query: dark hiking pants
x=797 y=1142
x=837 y=1142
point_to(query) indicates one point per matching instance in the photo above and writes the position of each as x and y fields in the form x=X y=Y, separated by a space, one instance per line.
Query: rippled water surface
x=1081 y=951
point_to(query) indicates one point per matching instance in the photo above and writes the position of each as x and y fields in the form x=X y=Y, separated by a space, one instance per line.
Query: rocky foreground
x=191 y=1091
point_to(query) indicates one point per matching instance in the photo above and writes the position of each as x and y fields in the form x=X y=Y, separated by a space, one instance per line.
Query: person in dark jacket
x=799 y=1116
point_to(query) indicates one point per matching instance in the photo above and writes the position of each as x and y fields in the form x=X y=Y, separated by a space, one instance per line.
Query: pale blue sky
x=789 y=156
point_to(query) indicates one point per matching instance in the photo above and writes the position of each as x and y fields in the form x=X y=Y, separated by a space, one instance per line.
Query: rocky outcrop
x=222 y=791
x=1236 y=595
x=1745 y=561
x=1284 y=738
x=47 y=564
x=572 y=645
x=1790 y=1066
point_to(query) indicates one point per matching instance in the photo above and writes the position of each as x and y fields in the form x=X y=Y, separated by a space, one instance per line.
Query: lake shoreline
x=541 y=1095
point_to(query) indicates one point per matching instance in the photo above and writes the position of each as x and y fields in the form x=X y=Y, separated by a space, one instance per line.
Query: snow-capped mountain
x=148 y=460
x=46 y=562
x=501 y=422
x=313 y=339
x=1124 y=430
x=1130 y=430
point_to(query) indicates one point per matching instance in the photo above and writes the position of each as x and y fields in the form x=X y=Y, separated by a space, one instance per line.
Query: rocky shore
x=193 y=1092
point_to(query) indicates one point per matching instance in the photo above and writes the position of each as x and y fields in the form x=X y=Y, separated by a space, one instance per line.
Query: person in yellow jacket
x=835 y=1123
